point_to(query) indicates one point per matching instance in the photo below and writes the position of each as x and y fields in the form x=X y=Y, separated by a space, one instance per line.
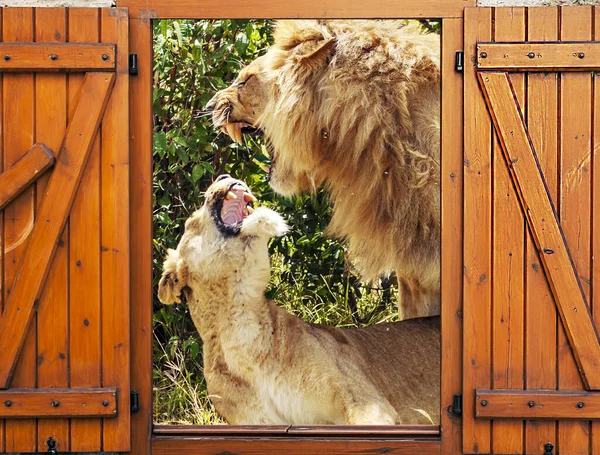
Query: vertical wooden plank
x=595 y=291
x=575 y=209
x=140 y=210
x=452 y=218
x=52 y=341
x=508 y=257
x=2 y=423
x=477 y=237
x=115 y=234
x=84 y=258
x=541 y=320
x=18 y=94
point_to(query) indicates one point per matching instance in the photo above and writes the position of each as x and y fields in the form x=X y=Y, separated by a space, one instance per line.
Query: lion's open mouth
x=230 y=211
x=236 y=130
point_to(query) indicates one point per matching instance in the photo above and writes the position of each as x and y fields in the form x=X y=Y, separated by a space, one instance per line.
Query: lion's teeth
x=250 y=209
x=238 y=133
x=249 y=197
x=230 y=127
x=230 y=195
x=264 y=167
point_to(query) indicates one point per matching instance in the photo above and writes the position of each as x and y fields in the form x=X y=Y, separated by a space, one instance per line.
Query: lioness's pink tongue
x=233 y=209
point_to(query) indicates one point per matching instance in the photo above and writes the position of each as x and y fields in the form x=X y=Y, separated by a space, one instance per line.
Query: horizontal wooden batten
x=547 y=56
x=243 y=445
x=77 y=402
x=25 y=171
x=528 y=404
x=267 y=9
x=285 y=430
x=57 y=57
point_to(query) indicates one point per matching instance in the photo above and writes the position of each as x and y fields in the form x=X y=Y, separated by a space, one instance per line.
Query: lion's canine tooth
x=230 y=127
x=238 y=133
x=249 y=197
x=230 y=195
x=250 y=209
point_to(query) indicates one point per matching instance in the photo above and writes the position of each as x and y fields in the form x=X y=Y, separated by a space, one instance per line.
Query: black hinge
x=459 y=61
x=133 y=66
x=457 y=404
x=135 y=401
x=548 y=449
x=51 y=445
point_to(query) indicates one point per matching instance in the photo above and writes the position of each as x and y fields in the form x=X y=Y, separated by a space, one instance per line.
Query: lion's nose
x=210 y=106
x=222 y=177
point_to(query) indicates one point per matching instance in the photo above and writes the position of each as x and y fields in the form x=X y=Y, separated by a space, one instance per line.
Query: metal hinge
x=457 y=404
x=548 y=449
x=459 y=61
x=133 y=65
x=135 y=401
x=51 y=445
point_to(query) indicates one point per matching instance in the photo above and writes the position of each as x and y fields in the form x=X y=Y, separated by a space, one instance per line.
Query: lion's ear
x=317 y=54
x=169 y=286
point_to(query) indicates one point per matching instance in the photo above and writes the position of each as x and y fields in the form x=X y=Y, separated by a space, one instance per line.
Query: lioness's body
x=265 y=366
x=354 y=106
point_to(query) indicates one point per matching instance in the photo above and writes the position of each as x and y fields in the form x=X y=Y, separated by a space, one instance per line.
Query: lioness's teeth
x=230 y=195
x=250 y=209
x=249 y=197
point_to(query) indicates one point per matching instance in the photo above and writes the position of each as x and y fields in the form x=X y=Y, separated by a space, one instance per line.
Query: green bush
x=193 y=60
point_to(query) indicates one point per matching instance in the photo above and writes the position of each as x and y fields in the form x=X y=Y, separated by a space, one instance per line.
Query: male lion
x=354 y=106
x=265 y=366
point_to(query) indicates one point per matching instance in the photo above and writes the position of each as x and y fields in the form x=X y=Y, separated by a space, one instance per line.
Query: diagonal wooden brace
x=24 y=172
x=543 y=223
x=51 y=219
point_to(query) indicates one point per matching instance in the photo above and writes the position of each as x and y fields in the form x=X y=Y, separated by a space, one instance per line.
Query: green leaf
x=197 y=173
x=160 y=143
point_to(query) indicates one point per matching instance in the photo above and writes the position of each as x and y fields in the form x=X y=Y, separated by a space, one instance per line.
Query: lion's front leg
x=371 y=413
x=415 y=300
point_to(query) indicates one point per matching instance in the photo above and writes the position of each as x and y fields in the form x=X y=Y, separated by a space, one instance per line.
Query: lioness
x=265 y=366
x=354 y=106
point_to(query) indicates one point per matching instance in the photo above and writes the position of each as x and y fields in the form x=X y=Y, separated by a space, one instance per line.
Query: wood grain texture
x=519 y=56
x=452 y=226
x=2 y=168
x=528 y=404
x=84 y=257
x=18 y=137
x=140 y=213
x=540 y=309
x=52 y=357
x=25 y=171
x=52 y=217
x=477 y=286
x=507 y=262
x=595 y=167
x=264 y=9
x=114 y=169
x=58 y=403
x=293 y=446
x=42 y=56
x=543 y=223
x=574 y=204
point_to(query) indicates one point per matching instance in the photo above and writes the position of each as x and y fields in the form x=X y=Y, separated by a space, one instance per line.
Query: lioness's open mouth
x=233 y=208
x=236 y=130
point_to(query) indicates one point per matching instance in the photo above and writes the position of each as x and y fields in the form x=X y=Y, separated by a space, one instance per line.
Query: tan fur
x=354 y=106
x=265 y=366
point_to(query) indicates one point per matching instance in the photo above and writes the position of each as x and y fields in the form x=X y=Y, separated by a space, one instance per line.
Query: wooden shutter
x=64 y=246
x=532 y=230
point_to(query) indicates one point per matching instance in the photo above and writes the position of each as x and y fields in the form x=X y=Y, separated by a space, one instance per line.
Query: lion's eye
x=242 y=83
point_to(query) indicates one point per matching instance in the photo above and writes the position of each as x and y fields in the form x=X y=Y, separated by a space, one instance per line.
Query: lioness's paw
x=169 y=287
x=264 y=222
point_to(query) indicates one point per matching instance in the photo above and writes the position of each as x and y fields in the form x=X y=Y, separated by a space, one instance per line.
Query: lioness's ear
x=169 y=287
x=317 y=54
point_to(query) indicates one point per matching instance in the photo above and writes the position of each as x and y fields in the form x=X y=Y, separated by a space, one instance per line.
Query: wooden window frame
x=206 y=439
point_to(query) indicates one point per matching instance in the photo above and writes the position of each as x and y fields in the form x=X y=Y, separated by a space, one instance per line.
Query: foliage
x=193 y=60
